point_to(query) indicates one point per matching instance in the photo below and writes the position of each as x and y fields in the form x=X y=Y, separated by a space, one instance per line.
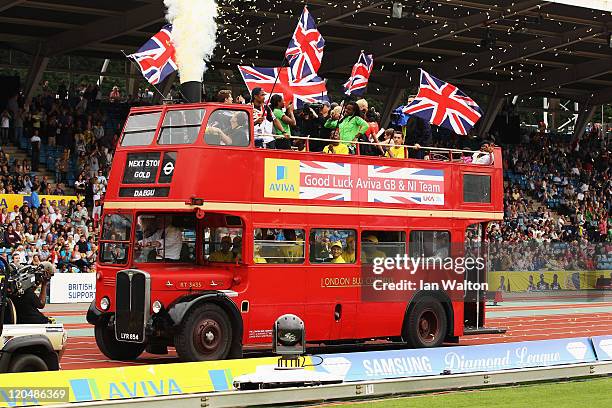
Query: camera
x=316 y=107
x=16 y=280
x=398 y=117
x=288 y=335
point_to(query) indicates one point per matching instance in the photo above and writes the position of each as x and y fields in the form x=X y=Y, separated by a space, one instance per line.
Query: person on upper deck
x=417 y=132
x=286 y=118
x=238 y=131
x=485 y=155
x=225 y=96
x=397 y=150
x=335 y=147
x=351 y=125
x=264 y=121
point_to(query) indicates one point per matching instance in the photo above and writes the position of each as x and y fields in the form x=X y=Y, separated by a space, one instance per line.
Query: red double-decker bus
x=206 y=239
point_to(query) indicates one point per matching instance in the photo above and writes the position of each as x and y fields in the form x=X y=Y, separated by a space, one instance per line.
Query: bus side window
x=165 y=238
x=429 y=244
x=223 y=244
x=332 y=246
x=382 y=244
x=280 y=246
x=116 y=231
x=228 y=128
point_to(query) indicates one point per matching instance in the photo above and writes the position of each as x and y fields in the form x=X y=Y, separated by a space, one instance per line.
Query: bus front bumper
x=93 y=314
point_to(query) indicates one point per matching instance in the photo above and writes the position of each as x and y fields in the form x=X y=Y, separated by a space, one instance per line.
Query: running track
x=534 y=321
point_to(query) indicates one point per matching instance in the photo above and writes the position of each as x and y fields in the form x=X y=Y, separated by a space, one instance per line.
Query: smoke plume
x=194 y=31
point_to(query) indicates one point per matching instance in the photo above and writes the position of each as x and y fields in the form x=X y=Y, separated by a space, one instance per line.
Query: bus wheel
x=206 y=334
x=113 y=349
x=426 y=325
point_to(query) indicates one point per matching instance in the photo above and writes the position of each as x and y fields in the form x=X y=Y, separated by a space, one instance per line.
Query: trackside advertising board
x=378 y=365
x=73 y=287
x=185 y=378
x=603 y=347
x=128 y=382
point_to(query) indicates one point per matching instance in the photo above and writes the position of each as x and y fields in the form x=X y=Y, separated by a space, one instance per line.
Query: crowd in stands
x=557 y=193
x=557 y=200
x=71 y=132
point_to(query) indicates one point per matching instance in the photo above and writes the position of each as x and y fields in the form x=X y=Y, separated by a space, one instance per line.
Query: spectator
x=35 y=140
x=114 y=95
x=5 y=124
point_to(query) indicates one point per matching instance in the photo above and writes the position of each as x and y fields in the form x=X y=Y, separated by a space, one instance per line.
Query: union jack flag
x=311 y=89
x=357 y=83
x=156 y=58
x=443 y=104
x=305 y=49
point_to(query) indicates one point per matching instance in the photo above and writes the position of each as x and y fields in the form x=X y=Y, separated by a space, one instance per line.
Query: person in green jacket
x=286 y=119
x=350 y=126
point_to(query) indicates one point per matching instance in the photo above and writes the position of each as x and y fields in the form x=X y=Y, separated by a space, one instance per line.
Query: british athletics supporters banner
x=332 y=181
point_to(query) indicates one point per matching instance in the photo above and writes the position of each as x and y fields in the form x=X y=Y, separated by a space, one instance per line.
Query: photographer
x=309 y=124
x=28 y=304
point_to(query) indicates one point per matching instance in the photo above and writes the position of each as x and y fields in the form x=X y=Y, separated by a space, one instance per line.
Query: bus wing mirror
x=200 y=214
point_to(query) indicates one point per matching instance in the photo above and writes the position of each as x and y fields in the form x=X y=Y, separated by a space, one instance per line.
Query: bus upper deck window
x=181 y=126
x=228 y=128
x=140 y=129
x=476 y=188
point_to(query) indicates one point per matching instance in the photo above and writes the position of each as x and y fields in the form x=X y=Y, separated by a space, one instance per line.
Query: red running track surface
x=82 y=352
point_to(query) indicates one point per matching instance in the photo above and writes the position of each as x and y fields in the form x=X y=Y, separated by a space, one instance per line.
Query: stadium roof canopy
x=510 y=48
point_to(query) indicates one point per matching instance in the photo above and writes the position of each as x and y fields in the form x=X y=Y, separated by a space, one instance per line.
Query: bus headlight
x=104 y=303
x=157 y=307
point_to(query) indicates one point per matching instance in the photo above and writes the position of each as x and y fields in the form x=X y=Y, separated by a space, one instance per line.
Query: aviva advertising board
x=130 y=382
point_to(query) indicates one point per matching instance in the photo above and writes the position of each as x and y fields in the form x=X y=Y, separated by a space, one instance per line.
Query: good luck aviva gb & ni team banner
x=318 y=180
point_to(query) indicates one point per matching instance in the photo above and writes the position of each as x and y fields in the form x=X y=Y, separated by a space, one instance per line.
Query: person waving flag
x=358 y=82
x=305 y=49
x=156 y=58
x=443 y=104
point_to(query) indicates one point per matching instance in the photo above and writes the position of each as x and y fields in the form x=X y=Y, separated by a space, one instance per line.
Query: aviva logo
x=282 y=178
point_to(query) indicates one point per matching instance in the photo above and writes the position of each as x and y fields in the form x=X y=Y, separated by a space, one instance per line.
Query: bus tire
x=205 y=334
x=426 y=323
x=111 y=347
x=23 y=363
